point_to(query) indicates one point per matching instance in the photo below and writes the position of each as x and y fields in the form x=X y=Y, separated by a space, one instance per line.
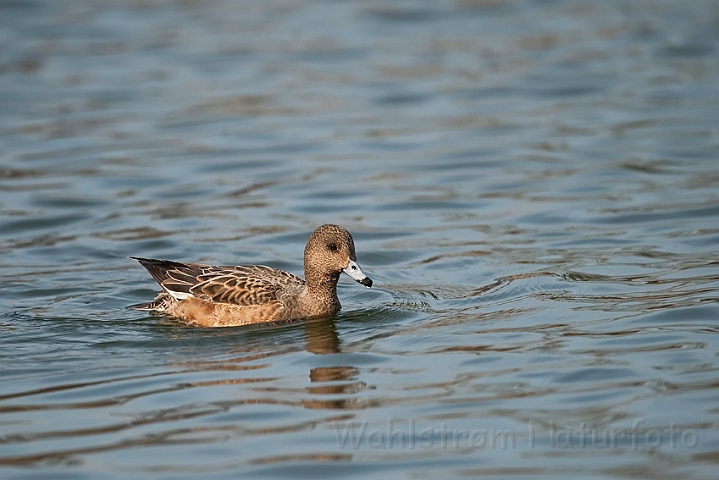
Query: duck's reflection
x=321 y=336
x=322 y=339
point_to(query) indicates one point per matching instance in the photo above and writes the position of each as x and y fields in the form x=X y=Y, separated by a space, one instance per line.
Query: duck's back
x=223 y=295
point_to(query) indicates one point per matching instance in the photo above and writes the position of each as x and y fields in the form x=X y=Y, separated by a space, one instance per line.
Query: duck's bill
x=355 y=272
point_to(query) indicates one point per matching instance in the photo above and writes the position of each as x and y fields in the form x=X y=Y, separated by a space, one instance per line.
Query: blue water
x=532 y=185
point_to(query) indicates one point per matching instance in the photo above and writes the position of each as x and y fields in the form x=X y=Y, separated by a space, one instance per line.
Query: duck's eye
x=332 y=247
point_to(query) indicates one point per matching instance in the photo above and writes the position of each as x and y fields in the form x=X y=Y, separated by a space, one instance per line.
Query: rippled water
x=533 y=186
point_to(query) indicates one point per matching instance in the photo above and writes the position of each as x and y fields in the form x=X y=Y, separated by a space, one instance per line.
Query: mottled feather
x=237 y=285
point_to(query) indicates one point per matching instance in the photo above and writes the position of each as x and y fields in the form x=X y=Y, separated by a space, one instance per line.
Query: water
x=532 y=185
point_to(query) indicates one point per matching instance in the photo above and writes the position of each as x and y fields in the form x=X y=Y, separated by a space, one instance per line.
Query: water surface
x=532 y=185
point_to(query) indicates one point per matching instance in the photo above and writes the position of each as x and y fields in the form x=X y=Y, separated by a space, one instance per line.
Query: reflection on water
x=531 y=185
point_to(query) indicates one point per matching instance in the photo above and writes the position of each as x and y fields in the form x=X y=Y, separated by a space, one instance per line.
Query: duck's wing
x=238 y=285
x=244 y=284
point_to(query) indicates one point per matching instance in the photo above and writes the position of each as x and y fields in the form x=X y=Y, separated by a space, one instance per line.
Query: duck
x=225 y=296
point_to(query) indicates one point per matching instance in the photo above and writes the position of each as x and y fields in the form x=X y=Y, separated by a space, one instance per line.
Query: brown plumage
x=211 y=296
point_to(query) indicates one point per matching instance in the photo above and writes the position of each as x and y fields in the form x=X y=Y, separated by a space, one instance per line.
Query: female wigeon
x=210 y=296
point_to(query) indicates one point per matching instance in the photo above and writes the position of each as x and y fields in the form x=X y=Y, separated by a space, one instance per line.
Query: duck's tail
x=159 y=304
